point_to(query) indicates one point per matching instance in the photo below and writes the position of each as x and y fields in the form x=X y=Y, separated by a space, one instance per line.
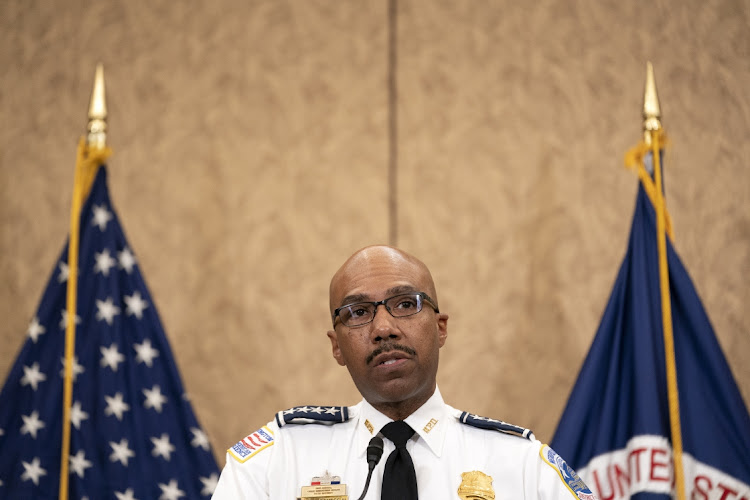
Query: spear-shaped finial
x=97 y=128
x=651 y=109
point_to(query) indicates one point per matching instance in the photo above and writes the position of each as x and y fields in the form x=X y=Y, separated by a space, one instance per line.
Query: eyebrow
x=360 y=297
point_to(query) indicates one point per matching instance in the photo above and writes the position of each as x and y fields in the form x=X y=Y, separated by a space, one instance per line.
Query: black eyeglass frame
x=425 y=298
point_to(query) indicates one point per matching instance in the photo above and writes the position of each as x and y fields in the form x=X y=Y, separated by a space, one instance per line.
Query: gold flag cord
x=87 y=163
x=653 y=187
x=666 y=315
x=634 y=161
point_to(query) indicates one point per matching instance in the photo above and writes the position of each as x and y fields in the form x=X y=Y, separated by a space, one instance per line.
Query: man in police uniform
x=392 y=354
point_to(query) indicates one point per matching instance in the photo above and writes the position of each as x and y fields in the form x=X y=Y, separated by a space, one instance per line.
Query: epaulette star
x=495 y=425
x=327 y=415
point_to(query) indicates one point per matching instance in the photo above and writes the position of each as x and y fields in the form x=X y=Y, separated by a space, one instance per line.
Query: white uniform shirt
x=275 y=462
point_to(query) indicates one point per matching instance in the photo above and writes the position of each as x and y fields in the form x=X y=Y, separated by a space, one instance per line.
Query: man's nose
x=383 y=325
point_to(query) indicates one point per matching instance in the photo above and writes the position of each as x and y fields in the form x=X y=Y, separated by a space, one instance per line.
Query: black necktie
x=399 y=478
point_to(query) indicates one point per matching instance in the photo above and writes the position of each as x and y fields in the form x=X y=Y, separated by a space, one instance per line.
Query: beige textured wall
x=251 y=155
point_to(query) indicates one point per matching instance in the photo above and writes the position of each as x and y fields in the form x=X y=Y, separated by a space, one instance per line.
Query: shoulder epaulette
x=495 y=425
x=327 y=415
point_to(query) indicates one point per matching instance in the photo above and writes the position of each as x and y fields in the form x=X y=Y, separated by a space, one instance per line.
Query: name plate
x=343 y=497
x=324 y=492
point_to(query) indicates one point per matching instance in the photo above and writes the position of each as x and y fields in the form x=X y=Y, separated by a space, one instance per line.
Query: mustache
x=387 y=347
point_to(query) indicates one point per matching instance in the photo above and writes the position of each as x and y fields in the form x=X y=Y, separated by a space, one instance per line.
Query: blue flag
x=133 y=431
x=615 y=430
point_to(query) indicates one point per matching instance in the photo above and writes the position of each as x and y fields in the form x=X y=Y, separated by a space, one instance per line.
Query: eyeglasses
x=398 y=306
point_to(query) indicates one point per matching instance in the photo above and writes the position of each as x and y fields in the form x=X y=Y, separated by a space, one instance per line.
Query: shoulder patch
x=494 y=425
x=327 y=415
x=252 y=444
x=571 y=479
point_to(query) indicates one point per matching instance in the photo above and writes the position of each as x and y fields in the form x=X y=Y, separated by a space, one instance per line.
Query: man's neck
x=400 y=410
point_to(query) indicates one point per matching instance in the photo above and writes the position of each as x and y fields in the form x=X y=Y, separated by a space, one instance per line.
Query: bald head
x=397 y=267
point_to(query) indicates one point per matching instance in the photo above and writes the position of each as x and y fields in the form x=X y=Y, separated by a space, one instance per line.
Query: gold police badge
x=476 y=485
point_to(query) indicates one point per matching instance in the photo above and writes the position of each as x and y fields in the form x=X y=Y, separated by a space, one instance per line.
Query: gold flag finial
x=651 y=108
x=97 y=128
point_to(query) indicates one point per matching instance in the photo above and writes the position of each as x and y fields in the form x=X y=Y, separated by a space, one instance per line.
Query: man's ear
x=442 y=324
x=336 y=350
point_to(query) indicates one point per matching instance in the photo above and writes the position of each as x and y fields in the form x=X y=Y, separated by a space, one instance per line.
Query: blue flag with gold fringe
x=616 y=429
x=133 y=433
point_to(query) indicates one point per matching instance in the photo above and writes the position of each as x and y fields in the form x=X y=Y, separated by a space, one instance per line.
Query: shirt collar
x=430 y=422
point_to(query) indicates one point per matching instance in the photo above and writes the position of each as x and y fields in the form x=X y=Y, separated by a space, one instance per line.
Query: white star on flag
x=332 y=411
x=31 y=424
x=79 y=464
x=134 y=304
x=121 y=452
x=317 y=410
x=170 y=491
x=162 y=446
x=104 y=262
x=77 y=415
x=35 y=330
x=76 y=370
x=209 y=484
x=111 y=357
x=126 y=495
x=116 y=406
x=199 y=439
x=64 y=319
x=101 y=217
x=33 y=470
x=107 y=310
x=146 y=353
x=32 y=376
x=64 y=272
x=154 y=398
x=126 y=259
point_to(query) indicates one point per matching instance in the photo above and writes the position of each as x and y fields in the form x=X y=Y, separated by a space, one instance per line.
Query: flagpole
x=653 y=138
x=90 y=154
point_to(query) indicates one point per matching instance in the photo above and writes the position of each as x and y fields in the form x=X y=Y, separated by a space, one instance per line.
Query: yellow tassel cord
x=87 y=164
x=634 y=159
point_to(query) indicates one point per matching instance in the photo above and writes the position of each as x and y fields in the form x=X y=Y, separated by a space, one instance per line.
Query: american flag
x=134 y=435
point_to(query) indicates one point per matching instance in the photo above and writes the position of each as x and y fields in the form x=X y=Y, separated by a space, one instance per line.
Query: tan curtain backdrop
x=251 y=158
